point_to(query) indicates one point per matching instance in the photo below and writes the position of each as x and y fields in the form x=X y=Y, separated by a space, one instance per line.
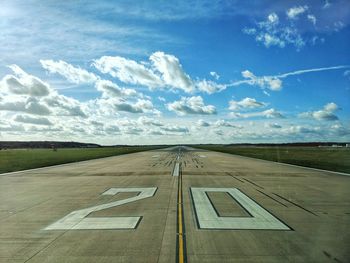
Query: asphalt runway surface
x=174 y=205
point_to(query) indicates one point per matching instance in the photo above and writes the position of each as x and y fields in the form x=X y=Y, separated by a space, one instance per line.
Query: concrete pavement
x=129 y=209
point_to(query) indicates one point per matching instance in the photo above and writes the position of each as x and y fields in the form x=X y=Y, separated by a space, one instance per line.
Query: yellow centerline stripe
x=181 y=258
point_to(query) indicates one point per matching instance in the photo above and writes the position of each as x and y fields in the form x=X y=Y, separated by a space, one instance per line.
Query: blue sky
x=146 y=72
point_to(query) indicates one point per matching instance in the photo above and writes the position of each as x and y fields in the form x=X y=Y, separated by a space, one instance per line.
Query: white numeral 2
x=208 y=218
x=78 y=219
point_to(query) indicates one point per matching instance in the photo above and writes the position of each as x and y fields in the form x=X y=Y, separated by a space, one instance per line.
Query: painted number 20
x=207 y=218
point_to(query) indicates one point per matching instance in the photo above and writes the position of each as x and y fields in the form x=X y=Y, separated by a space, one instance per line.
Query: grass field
x=21 y=159
x=327 y=158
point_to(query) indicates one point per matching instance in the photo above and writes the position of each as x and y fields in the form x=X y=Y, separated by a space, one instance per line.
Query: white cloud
x=71 y=73
x=327 y=4
x=273 y=125
x=162 y=71
x=29 y=94
x=65 y=106
x=272 y=33
x=214 y=75
x=340 y=130
x=209 y=86
x=149 y=121
x=11 y=127
x=128 y=71
x=270 y=113
x=29 y=105
x=24 y=84
x=140 y=106
x=301 y=129
x=338 y=25
x=270 y=82
x=312 y=18
x=347 y=73
x=223 y=123
x=273 y=18
x=176 y=128
x=162 y=99
x=104 y=107
x=171 y=71
x=249 y=103
x=132 y=130
x=327 y=113
x=295 y=11
x=202 y=123
x=110 y=89
x=33 y=120
x=274 y=82
x=191 y=105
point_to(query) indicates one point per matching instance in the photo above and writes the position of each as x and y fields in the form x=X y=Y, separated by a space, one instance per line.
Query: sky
x=175 y=72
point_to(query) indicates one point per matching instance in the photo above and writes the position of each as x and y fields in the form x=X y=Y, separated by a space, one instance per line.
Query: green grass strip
x=327 y=158
x=22 y=159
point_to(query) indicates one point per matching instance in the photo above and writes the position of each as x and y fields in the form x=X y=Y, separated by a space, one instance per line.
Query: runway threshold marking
x=181 y=240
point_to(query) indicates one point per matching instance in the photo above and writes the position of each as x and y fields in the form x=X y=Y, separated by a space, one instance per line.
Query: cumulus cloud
x=110 y=89
x=245 y=103
x=71 y=73
x=65 y=106
x=191 y=105
x=26 y=93
x=223 y=123
x=127 y=107
x=161 y=71
x=202 y=123
x=24 y=84
x=33 y=120
x=270 y=113
x=301 y=129
x=273 y=18
x=149 y=121
x=327 y=113
x=111 y=105
x=171 y=71
x=340 y=130
x=132 y=130
x=128 y=71
x=29 y=105
x=175 y=128
x=12 y=127
x=295 y=11
x=273 y=125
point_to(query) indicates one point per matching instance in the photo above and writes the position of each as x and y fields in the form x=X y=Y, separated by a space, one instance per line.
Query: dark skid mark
x=271 y=197
x=297 y=205
x=253 y=183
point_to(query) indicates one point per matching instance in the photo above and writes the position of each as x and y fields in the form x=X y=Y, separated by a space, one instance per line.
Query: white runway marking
x=155 y=156
x=176 y=169
x=202 y=156
x=77 y=219
x=208 y=218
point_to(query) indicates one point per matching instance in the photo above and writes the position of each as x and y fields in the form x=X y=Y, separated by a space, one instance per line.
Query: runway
x=178 y=204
